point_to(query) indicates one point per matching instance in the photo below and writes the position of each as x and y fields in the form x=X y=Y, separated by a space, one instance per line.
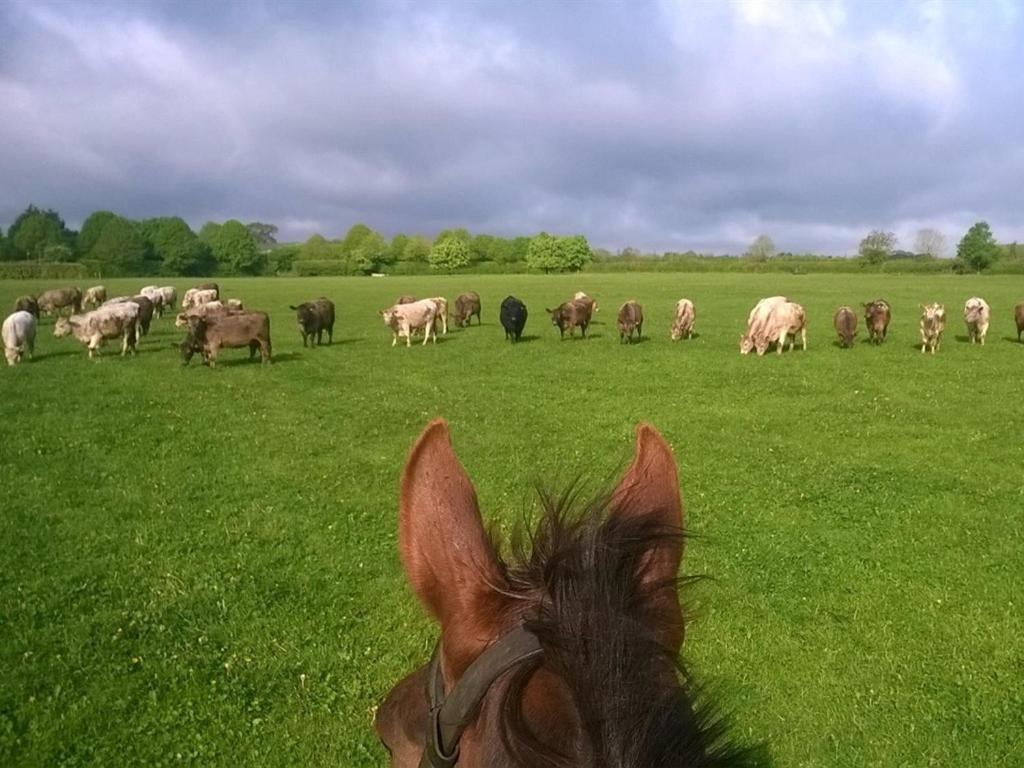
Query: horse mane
x=579 y=574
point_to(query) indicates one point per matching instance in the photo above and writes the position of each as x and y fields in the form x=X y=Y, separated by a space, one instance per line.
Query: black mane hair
x=579 y=574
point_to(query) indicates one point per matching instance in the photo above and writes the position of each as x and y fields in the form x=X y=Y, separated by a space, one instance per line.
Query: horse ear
x=447 y=556
x=650 y=487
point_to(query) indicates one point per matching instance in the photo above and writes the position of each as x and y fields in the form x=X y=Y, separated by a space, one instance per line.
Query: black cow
x=316 y=317
x=513 y=318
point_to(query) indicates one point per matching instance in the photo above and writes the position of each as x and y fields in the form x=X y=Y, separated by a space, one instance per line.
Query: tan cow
x=682 y=325
x=581 y=296
x=756 y=321
x=155 y=295
x=441 y=316
x=209 y=309
x=976 y=315
x=786 y=319
x=170 y=296
x=195 y=296
x=209 y=335
x=108 y=322
x=404 y=319
x=94 y=296
x=933 y=323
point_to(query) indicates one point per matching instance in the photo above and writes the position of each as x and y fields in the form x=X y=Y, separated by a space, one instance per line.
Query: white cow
x=107 y=322
x=195 y=296
x=756 y=321
x=441 y=317
x=403 y=319
x=155 y=295
x=170 y=296
x=976 y=315
x=685 y=317
x=19 y=335
x=786 y=319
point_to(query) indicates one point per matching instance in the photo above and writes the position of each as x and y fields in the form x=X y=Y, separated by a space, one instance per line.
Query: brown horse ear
x=448 y=559
x=650 y=487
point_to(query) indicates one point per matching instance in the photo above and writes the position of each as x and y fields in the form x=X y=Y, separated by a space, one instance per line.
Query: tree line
x=112 y=245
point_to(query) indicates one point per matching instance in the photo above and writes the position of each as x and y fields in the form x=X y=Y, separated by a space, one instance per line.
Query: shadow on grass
x=1012 y=339
x=523 y=339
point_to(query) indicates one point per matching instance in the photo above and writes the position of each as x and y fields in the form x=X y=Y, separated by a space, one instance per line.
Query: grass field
x=199 y=566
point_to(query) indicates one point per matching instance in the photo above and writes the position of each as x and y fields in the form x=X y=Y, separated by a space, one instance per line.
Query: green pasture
x=199 y=567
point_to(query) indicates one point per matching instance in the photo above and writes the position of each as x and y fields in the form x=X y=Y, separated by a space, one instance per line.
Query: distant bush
x=34 y=270
x=323 y=267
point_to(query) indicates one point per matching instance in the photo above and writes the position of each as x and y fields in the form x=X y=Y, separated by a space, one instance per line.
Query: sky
x=662 y=125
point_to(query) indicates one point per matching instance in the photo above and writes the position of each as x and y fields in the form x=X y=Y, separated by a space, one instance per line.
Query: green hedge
x=321 y=267
x=36 y=270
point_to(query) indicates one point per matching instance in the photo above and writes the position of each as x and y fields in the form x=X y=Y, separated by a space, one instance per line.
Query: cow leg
x=803 y=338
x=330 y=335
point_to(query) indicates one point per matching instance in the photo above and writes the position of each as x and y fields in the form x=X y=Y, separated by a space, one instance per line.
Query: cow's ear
x=650 y=488
x=447 y=556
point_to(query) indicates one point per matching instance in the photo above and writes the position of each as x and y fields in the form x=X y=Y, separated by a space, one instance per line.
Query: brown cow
x=60 y=298
x=877 y=316
x=467 y=305
x=1018 y=316
x=845 y=321
x=581 y=296
x=209 y=287
x=209 y=334
x=570 y=315
x=405 y=299
x=27 y=304
x=631 y=318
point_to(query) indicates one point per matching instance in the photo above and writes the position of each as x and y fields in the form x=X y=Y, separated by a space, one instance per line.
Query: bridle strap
x=450 y=715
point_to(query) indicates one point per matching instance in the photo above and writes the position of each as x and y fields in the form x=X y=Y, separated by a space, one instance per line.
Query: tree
x=35 y=229
x=92 y=227
x=449 y=254
x=118 y=249
x=877 y=246
x=175 y=247
x=369 y=254
x=481 y=248
x=355 y=235
x=235 y=251
x=549 y=253
x=396 y=249
x=930 y=242
x=977 y=249
x=417 y=249
x=265 y=235
x=761 y=249
x=209 y=231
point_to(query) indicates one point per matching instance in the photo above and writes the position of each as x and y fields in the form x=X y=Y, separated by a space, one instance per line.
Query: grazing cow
x=467 y=305
x=19 y=335
x=756 y=321
x=195 y=296
x=405 y=299
x=513 y=318
x=209 y=309
x=682 y=325
x=404 y=319
x=785 y=320
x=170 y=296
x=95 y=296
x=933 y=323
x=145 y=313
x=209 y=335
x=630 y=319
x=1018 y=317
x=60 y=298
x=108 y=322
x=845 y=321
x=315 y=317
x=210 y=287
x=155 y=295
x=976 y=315
x=27 y=304
x=570 y=315
x=877 y=315
x=581 y=296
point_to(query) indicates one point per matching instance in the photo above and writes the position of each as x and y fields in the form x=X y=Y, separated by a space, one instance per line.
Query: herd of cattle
x=212 y=323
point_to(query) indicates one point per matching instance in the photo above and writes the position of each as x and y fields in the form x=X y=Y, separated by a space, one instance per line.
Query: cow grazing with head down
x=570 y=316
x=630 y=319
x=877 y=316
x=110 y=321
x=19 y=335
x=60 y=298
x=95 y=296
x=513 y=318
x=195 y=296
x=756 y=321
x=466 y=305
x=784 y=322
x=1018 y=318
x=976 y=315
x=682 y=325
x=845 y=321
x=933 y=323
x=27 y=304
x=208 y=335
x=404 y=319
x=315 y=317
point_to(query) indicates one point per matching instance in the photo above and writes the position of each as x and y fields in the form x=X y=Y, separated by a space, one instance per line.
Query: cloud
x=664 y=126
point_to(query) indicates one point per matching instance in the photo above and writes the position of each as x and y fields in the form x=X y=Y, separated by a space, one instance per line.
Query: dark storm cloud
x=663 y=125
